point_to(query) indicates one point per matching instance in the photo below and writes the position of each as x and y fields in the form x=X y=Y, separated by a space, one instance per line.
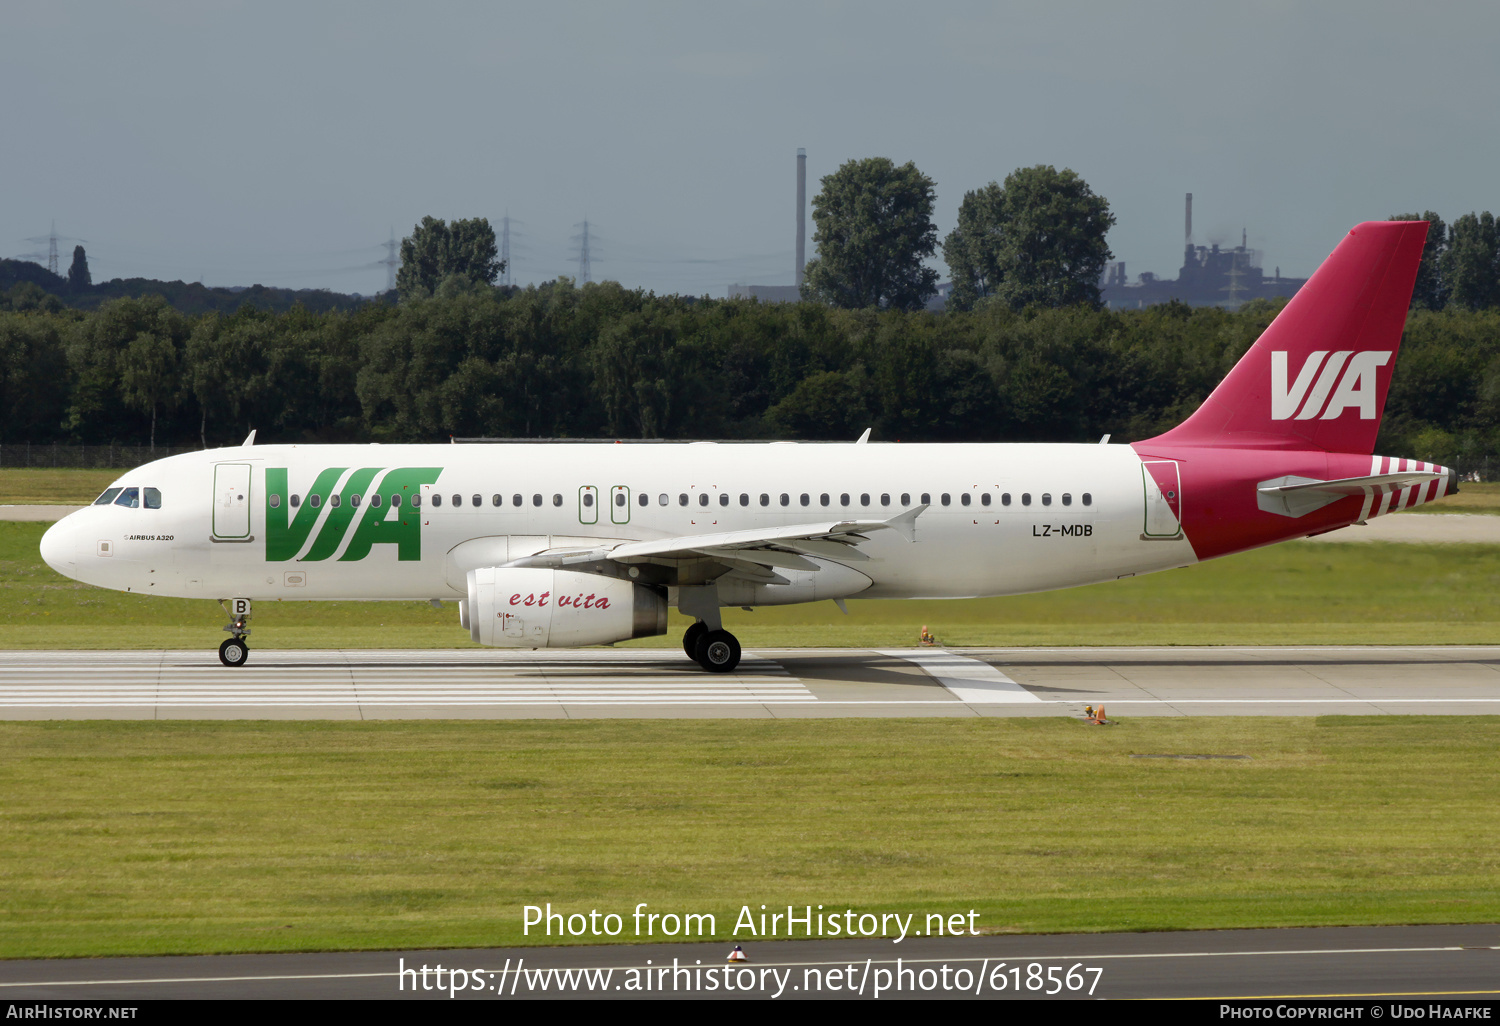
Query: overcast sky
x=242 y=142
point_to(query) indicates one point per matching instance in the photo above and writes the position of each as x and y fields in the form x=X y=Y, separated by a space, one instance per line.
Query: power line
x=390 y=261
x=52 y=239
x=582 y=245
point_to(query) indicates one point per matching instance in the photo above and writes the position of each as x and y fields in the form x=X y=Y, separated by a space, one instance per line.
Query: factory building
x=1209 y=276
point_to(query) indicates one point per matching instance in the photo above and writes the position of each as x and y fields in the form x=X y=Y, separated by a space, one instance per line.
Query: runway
x=592 y=683
x=1412 y=962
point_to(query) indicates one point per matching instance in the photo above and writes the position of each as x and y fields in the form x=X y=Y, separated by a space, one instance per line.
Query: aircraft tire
x=690 y=639
x=718 y=651
x=233 y=652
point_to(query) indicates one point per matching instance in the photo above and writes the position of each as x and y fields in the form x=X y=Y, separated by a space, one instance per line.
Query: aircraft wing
x=755 y=553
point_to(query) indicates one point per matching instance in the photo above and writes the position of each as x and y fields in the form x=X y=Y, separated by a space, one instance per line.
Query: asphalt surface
x=492 y=684
x=1364 y=962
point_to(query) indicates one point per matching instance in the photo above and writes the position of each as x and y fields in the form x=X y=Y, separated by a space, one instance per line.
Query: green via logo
x=386 y=514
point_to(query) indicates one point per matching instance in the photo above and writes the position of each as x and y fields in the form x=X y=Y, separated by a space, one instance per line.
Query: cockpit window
x=108 y=496
x=130 y=497
x=153 y=498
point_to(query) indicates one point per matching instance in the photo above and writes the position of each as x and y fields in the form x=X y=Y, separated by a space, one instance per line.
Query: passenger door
x=232 y=501
x=1163 y=487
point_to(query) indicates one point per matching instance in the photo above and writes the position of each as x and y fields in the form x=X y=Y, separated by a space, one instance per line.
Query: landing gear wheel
x=718 y=651
x=690 y=639
x=234 y=652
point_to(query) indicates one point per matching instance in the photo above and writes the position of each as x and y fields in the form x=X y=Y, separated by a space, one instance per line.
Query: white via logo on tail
x=1356 y=388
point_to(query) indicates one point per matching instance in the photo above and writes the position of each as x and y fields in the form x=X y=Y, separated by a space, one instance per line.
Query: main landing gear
x=707 y=642
x=234 y=651
x=715 y=651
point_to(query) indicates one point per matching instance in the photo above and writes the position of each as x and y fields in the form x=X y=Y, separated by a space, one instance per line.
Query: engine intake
x=530 y=607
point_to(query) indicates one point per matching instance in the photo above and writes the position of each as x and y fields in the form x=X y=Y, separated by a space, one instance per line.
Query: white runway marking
x=322 y=679
x=970 y=680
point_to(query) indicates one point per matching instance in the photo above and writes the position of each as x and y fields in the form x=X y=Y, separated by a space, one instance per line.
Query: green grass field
x=151 y=837
x=1288 y=594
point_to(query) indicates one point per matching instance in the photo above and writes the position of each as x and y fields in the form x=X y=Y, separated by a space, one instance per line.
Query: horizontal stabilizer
x=1298 y=496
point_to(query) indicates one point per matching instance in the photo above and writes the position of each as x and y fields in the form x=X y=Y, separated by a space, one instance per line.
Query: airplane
x=571 y=544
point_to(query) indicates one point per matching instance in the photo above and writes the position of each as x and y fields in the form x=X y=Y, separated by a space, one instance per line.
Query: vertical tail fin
x=1317 y=378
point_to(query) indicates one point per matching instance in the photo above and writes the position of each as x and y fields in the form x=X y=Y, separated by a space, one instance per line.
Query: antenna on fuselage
x=250 y=438
x=863 y=438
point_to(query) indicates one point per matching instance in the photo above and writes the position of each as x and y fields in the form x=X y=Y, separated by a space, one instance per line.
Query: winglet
x=863 y=438
x=250 y=438
x=906 y=523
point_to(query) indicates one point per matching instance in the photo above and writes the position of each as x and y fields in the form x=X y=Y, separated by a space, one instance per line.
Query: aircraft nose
x=59 y=549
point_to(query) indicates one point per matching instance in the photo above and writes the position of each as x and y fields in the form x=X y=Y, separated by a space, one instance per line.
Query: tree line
x=603 y=361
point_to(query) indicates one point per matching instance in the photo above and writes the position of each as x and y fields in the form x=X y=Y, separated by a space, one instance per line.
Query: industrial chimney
x=801 y=213
x=1188 y=227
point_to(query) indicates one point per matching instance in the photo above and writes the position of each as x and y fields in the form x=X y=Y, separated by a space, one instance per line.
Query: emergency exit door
x=588 y=505
x=232 y=500
x=619 y=504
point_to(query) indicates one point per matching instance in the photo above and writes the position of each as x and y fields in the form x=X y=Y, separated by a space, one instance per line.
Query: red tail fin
x=1317 y=378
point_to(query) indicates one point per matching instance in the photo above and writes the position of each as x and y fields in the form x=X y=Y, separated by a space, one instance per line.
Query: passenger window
x=396 y=499
x=1046 y=498
x=823 y=499
x=499 y=500
x=1005 y=498
x=437 y=500
x=964 y=498
x=984 y=500
x=906 y=498
x=723 y=498
x=1067 y=499
x=644 y=500
x=843 y=498
x=703 y=498
x=416 y=500
x=947 y=499
x=354 y=500
x=927 y=498
x=662 y=500
x=556 y=499
x=1026 y=498
x=458 y=500
x=275 y=502
x=765 y=500
x=517 y=500
x=786 y=500
x=108 y=496
x=336 y=500
x=296 y=500
x=805 y=498
x=129 y=498
x=536 y=499
x=477 y=500
x=1088 y=500
x=744 y=499
x=864 y=498
x=316 y=500
x=885 y=499
x=619 y=498
x=682 y=498
x=588 y=500
x=375 y=500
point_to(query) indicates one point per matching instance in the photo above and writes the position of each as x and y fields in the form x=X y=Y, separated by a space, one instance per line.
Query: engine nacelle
x=530 y=607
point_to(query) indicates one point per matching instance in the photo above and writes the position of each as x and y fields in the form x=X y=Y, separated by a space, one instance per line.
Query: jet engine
x=531 y=607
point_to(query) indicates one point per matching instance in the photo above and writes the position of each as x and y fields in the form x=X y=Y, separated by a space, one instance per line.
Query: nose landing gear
x=234 y=651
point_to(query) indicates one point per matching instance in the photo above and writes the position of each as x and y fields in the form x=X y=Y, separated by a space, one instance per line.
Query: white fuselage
x=1075 y=514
